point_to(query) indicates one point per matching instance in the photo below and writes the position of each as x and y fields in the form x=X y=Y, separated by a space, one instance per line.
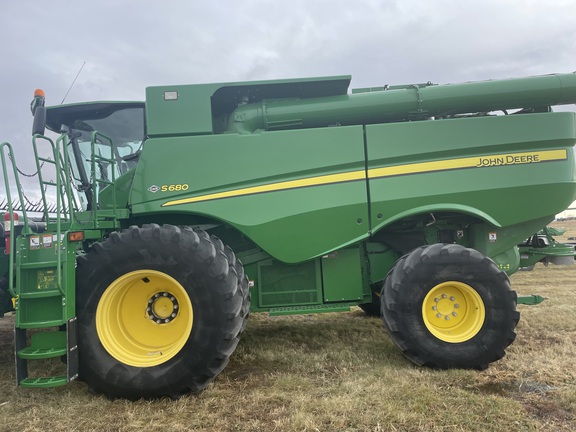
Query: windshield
x=125 y=127
x=120 y=134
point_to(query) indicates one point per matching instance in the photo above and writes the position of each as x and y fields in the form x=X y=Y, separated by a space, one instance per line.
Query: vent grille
x=286 y=285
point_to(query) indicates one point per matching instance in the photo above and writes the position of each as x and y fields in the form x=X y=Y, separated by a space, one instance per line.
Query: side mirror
x=39 y=124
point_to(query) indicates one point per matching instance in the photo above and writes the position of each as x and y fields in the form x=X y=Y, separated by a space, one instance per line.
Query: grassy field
x=340 y=372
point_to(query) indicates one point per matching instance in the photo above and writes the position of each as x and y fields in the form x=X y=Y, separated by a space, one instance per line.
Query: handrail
x=65 y=201
x=62 y=184
x=65 y=175
x=3 y=147
x=99 y=158
x=38 y=159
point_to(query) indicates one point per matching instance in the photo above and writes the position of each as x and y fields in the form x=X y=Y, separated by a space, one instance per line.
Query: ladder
x=45 y=300
x=42 y=278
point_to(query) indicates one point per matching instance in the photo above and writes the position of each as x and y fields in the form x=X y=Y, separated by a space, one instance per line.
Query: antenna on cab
x=71 y=85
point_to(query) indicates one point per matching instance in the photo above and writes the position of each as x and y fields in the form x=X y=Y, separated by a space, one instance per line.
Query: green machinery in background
x=543 y=247
x=177 y=216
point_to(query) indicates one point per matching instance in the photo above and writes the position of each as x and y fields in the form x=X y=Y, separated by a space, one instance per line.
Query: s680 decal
x=169 y=188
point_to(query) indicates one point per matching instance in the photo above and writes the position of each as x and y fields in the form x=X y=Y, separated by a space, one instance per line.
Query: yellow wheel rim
x=453 y=312
x=144 y=318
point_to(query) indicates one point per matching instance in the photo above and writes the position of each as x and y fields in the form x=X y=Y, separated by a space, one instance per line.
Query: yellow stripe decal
x=293 y=184
x=470 y=162
x=416 y=168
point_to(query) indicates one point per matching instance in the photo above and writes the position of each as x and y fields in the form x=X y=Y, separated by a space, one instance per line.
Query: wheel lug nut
x=447 y=317
x=436 y=299
x=454 y=314
x=434 y=308
x=456 y=305
x=444 y=296
x=439 y=315
x=452 y=298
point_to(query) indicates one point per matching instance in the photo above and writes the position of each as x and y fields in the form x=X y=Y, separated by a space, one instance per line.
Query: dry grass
x=340 y=372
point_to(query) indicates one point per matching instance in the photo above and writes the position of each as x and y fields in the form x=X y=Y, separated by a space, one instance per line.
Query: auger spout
x=413 y=102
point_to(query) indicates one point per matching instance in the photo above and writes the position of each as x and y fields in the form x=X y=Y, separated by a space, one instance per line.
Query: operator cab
x=122 y=122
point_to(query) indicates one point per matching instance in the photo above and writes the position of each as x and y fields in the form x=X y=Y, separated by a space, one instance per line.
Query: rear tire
x=447 y=306
x=160 y=311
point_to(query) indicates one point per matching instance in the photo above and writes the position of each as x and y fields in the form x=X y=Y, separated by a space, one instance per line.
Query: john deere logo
x=154 y=188
x=509 y=160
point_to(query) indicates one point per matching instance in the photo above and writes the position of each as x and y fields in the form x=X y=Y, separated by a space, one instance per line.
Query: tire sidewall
x=411 y=282
x=207 y=286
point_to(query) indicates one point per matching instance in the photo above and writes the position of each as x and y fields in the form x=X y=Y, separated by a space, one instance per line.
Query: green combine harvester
x=177 y=216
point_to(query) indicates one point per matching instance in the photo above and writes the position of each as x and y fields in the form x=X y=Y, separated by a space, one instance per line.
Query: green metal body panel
x=168 y=107
x=294 y=224
x=277 y=284
x=342 y=276
x=446 y=171
x=381 y=259
x=412 y=168
x=313 y=286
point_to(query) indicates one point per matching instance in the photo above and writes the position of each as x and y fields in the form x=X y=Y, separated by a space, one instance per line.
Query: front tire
x=447 y=306
x=160 y=311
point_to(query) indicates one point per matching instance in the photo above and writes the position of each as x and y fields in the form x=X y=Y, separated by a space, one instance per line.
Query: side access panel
x=342 y=276
x=297 y=194
x=474 y=165
x=333 y=281
x=281 y=285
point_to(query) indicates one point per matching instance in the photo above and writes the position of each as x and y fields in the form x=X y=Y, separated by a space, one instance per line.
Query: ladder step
x=34 y=354
x=45 y=345
x=40 y=294
x=40 y=324
x=44 y=382
x=39 y=264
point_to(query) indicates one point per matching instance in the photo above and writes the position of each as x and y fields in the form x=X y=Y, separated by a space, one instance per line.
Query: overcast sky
x=128 y=45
